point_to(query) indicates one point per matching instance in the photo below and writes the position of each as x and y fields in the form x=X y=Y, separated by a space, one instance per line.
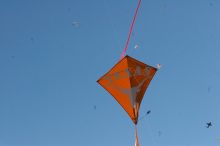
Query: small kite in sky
x=75 y=23
x=159 y=66
x=208 y=124
x=211 y=4
x=136 y=46
x=159 y=133
x=32 y=39
x=148 y=112
x=209 y=89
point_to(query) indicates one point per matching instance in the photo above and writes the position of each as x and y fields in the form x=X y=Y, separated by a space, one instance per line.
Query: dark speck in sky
x=211 y=4
x=75 y=23
x=159 y=133
x=209 y=89
x=148 y=112
x=165 y=5
x=209 y=124
x=32 y=39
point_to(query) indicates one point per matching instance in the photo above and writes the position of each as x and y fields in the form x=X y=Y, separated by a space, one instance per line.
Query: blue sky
x=49 y=67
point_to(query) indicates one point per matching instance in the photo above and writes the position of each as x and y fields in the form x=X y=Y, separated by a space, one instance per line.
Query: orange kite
x=127 y=82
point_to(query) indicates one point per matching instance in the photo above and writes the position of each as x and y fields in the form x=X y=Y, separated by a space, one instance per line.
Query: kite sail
x=127 y=82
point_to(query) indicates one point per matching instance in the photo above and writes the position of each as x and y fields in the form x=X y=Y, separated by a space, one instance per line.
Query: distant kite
x=136 y=46
x=148 y=112
x=159 y=66
x=76 y=23
x=208 y=124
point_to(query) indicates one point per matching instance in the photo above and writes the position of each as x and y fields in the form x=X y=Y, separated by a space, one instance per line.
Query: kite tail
x=136 y=136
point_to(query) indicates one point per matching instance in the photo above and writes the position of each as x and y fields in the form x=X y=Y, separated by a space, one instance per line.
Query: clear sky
x=52 y=52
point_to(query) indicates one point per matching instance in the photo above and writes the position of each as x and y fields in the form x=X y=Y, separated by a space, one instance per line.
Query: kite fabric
x=127 y=82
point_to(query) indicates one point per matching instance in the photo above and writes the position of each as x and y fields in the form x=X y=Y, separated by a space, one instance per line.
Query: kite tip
x=122 y=56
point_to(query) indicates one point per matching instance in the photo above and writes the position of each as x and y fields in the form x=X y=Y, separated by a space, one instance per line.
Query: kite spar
x=128 y=80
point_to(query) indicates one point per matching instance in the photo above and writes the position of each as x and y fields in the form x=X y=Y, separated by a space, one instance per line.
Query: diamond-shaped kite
x=127 y=82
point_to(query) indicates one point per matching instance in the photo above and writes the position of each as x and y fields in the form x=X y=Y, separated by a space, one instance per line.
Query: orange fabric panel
x=127 y=82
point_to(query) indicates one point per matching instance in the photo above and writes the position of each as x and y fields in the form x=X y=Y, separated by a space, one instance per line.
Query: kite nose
x=135 y=121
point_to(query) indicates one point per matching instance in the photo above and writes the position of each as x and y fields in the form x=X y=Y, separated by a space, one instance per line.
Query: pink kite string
x=130 y=31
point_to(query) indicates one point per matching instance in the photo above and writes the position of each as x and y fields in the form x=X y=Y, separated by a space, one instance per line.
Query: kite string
x=130 y=31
